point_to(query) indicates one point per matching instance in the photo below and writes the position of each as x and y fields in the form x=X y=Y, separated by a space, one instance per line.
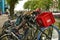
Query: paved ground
x=3 y=18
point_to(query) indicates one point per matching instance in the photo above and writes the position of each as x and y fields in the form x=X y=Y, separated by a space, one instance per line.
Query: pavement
x=3 y=18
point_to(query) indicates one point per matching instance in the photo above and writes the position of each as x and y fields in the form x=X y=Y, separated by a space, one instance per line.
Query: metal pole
x=3 y=6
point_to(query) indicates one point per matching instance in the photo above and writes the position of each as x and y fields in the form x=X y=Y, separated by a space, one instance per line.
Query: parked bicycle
x=41 y=33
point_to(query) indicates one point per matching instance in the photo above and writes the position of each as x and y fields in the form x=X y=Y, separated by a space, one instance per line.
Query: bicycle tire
x=7 y=37
x=54 y=28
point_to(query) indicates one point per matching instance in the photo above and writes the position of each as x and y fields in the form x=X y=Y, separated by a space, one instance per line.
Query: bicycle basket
x=45 y=19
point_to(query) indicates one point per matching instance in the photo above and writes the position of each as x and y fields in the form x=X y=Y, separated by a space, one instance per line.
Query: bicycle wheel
x=4 y=38
x=51 y=33
x=7 y=37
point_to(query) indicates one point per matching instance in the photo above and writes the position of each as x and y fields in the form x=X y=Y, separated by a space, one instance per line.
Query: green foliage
x=27 y=4
x=47 y=4
x=59 y=4
x=33 y=4
x=59 y=25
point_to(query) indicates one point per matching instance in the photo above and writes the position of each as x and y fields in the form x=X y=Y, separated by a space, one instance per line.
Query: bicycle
x=42 y=35
x=10 y=28
x=10 y=35
x=49 y=32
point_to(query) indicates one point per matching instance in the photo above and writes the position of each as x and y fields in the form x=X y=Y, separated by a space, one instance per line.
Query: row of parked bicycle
x=36 y=26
